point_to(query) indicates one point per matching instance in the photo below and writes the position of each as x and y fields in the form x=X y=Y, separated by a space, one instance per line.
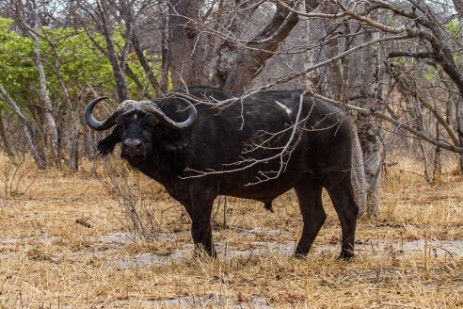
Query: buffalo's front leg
x=200 y=213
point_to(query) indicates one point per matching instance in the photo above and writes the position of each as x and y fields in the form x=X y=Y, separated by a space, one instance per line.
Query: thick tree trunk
x=189 y=64
x=373 y=157
x=227 y=51
x=339 y=81
x=238 y=66
x=364 y=76
x=359 y=181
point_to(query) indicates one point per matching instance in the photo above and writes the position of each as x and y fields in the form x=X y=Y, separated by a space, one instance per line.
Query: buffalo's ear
x=106 y=145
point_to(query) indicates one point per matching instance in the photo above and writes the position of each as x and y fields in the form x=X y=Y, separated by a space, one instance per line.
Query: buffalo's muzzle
x=133 y=146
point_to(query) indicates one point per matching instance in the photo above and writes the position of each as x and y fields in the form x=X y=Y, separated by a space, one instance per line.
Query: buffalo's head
x=136 y=124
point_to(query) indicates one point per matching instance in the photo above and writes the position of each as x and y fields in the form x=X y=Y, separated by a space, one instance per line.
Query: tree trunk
x=458 y=6
x=373 y=158
x=6 y=143
x=185 y=42
x=437 y=154
x=48 y=107
x=126 y=12
x=71 y=127
x=459 y=108
x=364 y=87
x=331 y=82
x=74 y=150
x=145 y=65
x=332 y=75
x=119 y=76
x=245 y=64
x=359 y=181
x=165 y=54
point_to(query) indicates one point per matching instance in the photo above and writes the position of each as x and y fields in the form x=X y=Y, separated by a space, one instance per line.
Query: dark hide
x=232 y=137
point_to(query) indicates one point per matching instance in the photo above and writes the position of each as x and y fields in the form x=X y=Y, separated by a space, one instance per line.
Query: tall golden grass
x=67 y=241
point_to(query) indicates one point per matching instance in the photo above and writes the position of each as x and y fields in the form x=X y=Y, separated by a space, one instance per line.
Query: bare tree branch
x=396 y=122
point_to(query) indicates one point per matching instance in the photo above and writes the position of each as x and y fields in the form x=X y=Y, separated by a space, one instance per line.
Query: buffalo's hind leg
x=309 y=194
x=343 y=201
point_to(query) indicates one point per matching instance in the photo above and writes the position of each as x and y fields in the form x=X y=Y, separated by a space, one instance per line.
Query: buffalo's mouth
x=133 y=158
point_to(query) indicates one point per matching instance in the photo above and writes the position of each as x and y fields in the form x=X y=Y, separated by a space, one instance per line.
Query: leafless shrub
x=17 y=176
x=141 y=214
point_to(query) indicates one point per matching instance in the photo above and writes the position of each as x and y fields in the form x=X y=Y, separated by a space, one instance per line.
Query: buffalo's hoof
x=202 y=254
x=346 y=256
x=300 y=255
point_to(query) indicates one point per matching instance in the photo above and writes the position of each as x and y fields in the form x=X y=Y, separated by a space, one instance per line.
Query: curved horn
x=178 y=125
x=91 y=121
x=111 y=120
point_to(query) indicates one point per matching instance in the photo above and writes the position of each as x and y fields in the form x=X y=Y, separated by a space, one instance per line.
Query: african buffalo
x=254 y=147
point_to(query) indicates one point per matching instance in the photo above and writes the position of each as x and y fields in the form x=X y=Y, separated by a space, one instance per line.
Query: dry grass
x=63 y=243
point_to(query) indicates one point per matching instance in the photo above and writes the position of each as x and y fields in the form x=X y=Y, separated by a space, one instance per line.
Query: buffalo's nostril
x=132 y=146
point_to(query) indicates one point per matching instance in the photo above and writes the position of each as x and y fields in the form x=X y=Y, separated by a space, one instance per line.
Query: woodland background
x=395 y=65
x=80 y=232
